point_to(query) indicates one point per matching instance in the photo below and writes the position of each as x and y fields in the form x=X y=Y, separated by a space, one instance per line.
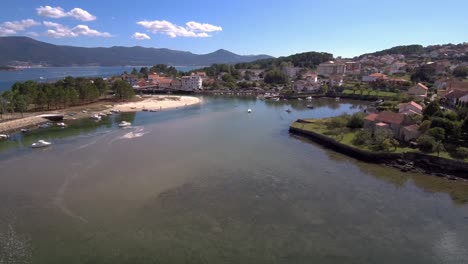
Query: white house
x=191 y=83
x=410 y=108
x=330 y=68
x=419 y=90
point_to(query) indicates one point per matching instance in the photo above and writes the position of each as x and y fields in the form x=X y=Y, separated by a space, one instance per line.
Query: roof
x=456 y=93
x=459 y=85
x=413 y=103
x=422 y=86
x=378 y=75
x=390 y=117
x=371 y=117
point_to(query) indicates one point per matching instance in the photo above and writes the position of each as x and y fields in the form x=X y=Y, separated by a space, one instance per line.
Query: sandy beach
x=25 y=122
x=150 y=103
x=157 y=103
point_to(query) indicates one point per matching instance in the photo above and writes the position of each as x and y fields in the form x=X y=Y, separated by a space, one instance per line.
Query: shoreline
x=155 y=103
x=405 y=162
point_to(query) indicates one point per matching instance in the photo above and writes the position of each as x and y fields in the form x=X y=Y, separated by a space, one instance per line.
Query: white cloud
x=58 y=12
x=193 y=29
x=199 y=27
x=61 y=31
x=140 y=36
x=12 y=27
x=81 y=14
x=53 y=12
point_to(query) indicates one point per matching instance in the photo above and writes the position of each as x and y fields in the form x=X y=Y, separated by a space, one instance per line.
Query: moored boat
x=96 y=117
x=125 y=124
x=249 y=110
x=310 y=106
x=40 y=144
x=4 y=136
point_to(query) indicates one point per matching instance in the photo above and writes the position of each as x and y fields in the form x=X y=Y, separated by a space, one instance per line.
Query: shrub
x=426 y=143
x=437 y=133
x=362 y=137
x=356 y=121
x=461 y=152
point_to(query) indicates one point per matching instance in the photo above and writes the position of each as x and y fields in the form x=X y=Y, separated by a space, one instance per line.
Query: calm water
x=8 y=78
x=213 y=184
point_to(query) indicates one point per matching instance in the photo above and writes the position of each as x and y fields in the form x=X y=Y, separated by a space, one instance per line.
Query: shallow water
x=213 y=184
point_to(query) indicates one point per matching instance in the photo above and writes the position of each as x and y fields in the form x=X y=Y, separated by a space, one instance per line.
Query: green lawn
x=370 y=92
x=320 y=126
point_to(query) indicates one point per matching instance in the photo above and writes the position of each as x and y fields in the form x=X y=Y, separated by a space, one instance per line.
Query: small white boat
x=84 y=111
x=102 y=114
x=40 y=144
x=309 y=98
x=125 y=124
x=299 y=99
x=115 y=111
x=24 y=130
x=61 y=124
x=337 y=99
x=46 y=125
x=96 y=117
x=249 y=110
x=4 y=136
x=109 y=113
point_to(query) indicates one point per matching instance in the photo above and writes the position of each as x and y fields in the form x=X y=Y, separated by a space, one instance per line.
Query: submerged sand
x=156 y=103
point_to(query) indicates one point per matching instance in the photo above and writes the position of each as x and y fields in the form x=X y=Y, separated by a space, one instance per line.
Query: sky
x=275 y=27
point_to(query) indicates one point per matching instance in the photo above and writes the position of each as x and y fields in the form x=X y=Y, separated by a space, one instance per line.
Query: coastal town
x=418 y=96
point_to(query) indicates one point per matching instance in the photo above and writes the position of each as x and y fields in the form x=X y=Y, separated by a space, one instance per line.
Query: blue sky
x=278 y=28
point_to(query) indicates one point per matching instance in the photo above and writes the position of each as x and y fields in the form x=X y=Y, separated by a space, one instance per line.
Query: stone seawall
x=404 y=161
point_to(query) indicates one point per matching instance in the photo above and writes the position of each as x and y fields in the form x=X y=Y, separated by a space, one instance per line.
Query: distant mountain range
x=24 y=50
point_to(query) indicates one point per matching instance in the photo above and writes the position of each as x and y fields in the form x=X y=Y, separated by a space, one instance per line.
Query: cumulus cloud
x=199 y=27
x=12 y=27
x=61 y=31
x=140 y=36
x=81 y=14
x=192 y=29
x=53 y=12
x=58 y=12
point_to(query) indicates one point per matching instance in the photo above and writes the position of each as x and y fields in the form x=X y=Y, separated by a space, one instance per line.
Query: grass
x=320 y=126
x=369 y=92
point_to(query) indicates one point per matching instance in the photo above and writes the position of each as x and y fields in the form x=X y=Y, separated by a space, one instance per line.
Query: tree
x=425 y=125
x=356 y=121
x=362 y=137
x=123 y=90
x=424 y=73
x=437 y=133
x=461 y=152
x=20 y=102
x=276 y=77
x=431 y=109
x=439 y=147
x=460 y=71
x=426 y=143
x=101 y=85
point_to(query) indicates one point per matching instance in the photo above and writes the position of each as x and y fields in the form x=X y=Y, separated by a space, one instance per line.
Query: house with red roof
x=374 y=77
x=419 y=90
x=457 y=91
x=402 y=126
x=410 y=108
